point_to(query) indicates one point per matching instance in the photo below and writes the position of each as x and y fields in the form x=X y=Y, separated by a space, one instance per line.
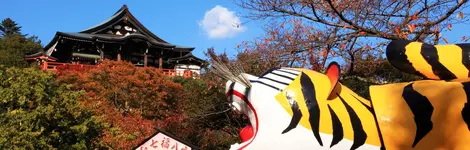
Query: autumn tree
x=133 y=100
x=308 y=32
x=38 y=113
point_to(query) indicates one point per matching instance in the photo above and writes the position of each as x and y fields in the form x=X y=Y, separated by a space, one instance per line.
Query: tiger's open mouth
x=241 y=104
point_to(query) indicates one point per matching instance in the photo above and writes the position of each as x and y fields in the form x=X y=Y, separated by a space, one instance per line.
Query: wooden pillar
x=101 y=55
x=45 y=64
x=160 y=63
x=145 y=60
x=119 y=53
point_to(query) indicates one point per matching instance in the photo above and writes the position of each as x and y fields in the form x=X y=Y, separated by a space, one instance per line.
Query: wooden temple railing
x=54 y=66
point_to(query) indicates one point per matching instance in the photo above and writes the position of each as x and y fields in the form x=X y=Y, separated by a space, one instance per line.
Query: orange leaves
x=465 y=39
x=401 y=34
x=362 y=33
x=289 y=38
x=343 y=45
x=397 y=30
x=245 y=43
x=310 y=51
x=445 y=40
x=368 y=47
x=333 y=53
x=311 y=36
x=262 y=46
x=324 y=52
x=460 y=15
x=415 y=16
x=304 y=3
x=411 y=28
x=436 y=30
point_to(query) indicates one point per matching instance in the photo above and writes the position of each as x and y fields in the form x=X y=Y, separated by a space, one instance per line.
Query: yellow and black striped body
x=345 y=115
x=439 y=62
x=323 y=113
x=428 y=114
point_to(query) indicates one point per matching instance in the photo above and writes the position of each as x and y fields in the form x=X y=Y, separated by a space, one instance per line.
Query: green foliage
x=37 y=113
x=14 y=47
x=9 y=27
x=374 y=72
x=214 y=124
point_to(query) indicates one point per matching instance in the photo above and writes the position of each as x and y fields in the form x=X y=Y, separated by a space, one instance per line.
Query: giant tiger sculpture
x=293 y=108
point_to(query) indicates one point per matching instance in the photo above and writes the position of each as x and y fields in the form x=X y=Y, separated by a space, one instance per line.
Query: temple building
x=121 y=37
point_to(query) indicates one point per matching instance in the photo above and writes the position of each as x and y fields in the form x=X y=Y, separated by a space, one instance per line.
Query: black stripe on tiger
x=396 y=56
x=466 y=107
x=297 y=114
x=268 y=85
x=422 y=110
x=465 y=55
x=308 y=91
x=360 y=135
x=375 y=119
x=337 y=128
x=368 y=108
x=284 y=76
x=269 y=71
x=429 y=53
x=295 y=74
x=277 y=81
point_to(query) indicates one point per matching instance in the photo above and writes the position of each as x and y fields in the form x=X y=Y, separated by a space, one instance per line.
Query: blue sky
x=176 y=21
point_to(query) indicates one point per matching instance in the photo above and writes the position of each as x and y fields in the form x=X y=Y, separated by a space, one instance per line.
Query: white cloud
x=219 y=23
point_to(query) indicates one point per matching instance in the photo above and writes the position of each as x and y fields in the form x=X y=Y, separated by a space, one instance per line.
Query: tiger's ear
x=333 y=73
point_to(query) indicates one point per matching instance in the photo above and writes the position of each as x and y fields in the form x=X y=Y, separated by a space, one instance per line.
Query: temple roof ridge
x=123 y=14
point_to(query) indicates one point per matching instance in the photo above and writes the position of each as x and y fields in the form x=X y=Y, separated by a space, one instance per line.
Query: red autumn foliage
x=134 y=101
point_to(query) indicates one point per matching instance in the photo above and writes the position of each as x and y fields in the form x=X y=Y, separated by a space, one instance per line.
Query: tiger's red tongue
x=246 y=133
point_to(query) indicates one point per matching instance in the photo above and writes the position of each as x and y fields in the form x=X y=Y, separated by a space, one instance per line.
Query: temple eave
x=82 y=37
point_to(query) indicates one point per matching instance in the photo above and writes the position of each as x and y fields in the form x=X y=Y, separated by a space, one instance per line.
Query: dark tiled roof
x=118 y=38
x=189 y=57
x=122 y=13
